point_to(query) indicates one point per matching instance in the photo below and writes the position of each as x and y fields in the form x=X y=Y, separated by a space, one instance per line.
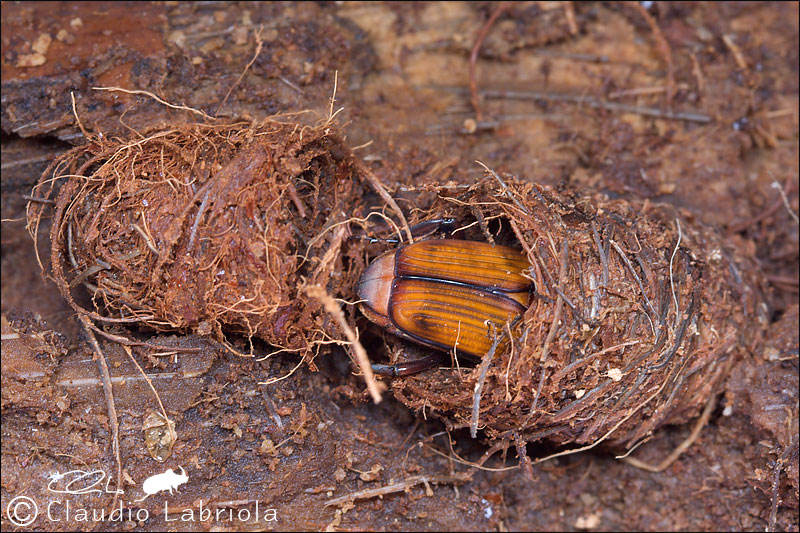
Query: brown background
x=583 y=103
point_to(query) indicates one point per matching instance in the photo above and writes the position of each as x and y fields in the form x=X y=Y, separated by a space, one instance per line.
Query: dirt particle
x=42 y=43
x=31 y=60
x=212 y=44
x=65 y=37
x=269 y=35
x=239 y=35
x=372 y=474
x=588 y=521
x=177 y=37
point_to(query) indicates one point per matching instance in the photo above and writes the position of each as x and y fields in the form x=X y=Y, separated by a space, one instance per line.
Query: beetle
x=168 y=480
x=446 y=294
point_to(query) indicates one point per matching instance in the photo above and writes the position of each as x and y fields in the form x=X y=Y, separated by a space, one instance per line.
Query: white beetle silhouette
x=168 y=480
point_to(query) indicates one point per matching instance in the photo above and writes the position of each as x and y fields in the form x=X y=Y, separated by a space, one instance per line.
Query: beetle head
x=375 y=287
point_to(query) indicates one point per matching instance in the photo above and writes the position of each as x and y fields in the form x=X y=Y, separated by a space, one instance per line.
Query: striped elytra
x=447 y=293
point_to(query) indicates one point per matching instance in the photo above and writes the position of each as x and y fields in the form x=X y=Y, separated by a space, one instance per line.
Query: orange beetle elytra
x=446 y=294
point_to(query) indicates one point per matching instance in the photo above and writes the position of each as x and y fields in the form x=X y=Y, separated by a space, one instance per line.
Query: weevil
x=446 y=294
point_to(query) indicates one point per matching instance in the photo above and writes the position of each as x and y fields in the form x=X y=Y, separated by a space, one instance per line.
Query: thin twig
x=296 y=199
x=129 y=342
x=635 y=275
x=91 y=271
x=603 y=257
x=580 y=362
x=170 y=422
x=37 y=200
x=698 y=76
x=776 y=185
x=683 y=446
x=562 y=278
x=671 y=276
x=773 y=514
x=607 y=434
x=259 y=46
x=767 y=212
x=333 y=95
x=146 y=238
x=569 y=13
x=6 y=165
x=737 y=54
x=505 y=187
x=374 y=387
x=476 y=395
x=454 y=457
x=157 y=99
x=640 y=91
x=787 y=283
x=197 y=218
x=381 y=190
x=473 y=57
x=290 y=84
x=661 y=44
x=592 y=102
x=455 y=479
x=113 y=420
x=77 y=118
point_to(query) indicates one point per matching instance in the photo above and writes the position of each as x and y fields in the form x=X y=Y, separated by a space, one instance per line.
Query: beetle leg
x=408 y=368
x=373 y=240
x=445 y=225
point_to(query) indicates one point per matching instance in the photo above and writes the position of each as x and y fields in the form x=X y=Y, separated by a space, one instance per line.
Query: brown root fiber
x=637 y=314
x=206 y=228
